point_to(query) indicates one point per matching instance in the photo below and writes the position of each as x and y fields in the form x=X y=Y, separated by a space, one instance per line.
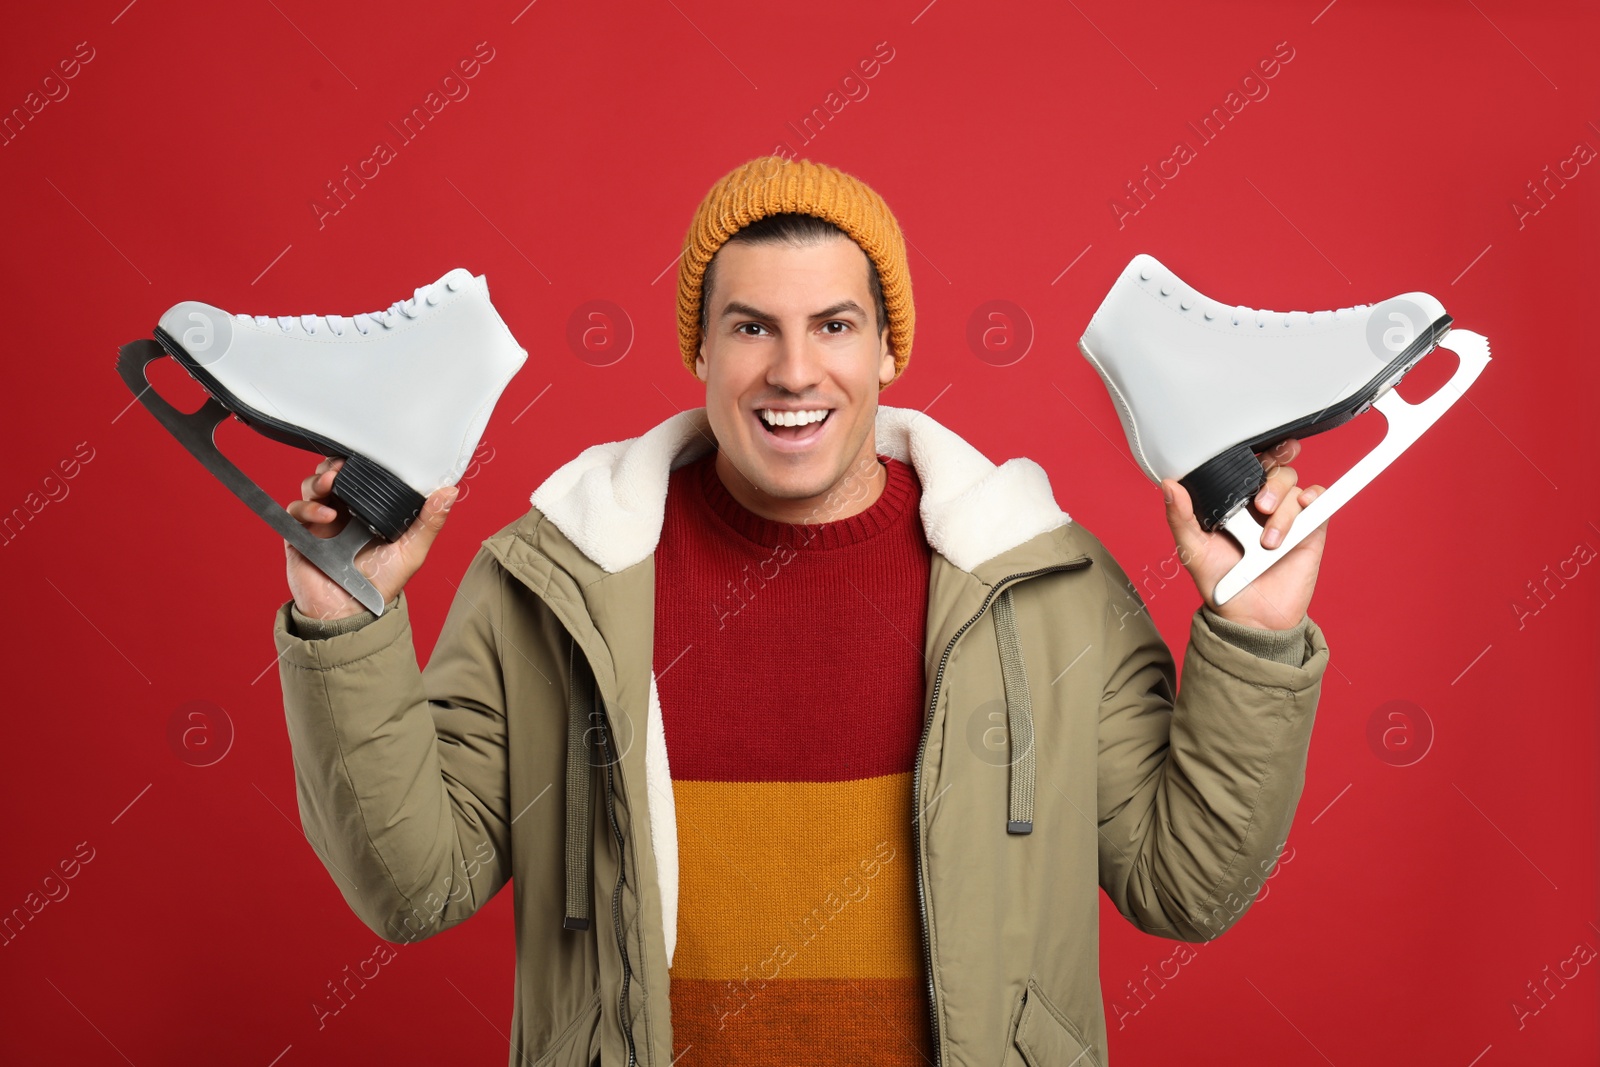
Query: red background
x=1420 y=899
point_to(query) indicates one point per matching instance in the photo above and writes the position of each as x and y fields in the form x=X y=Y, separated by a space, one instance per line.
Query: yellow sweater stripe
x=796 y=880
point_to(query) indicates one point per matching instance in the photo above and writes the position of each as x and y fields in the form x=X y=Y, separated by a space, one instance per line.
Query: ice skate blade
x=333 y=556
x=1406 y=423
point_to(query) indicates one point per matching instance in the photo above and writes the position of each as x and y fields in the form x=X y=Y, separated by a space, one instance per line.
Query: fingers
x=316 y=487
x=1301 y=500
x=1282 y=452
x=1305 y=497
x=1285 y=514
x=316 y=507
x=1279 y=487
x=311 y=512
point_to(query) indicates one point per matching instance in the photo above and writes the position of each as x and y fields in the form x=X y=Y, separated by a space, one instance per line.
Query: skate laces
x=1189 y=297
x=1262 y=316
x=409 y=307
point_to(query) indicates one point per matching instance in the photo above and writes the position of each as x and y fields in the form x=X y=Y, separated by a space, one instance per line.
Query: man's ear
x=886 y=363
x=700 y=370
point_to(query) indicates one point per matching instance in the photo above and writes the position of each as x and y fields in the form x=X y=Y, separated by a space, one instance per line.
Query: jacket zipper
x=916 y=785
x=604 y=744
x=616 y=895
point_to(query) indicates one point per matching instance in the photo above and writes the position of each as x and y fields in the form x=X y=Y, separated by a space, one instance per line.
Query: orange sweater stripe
x=820 y=890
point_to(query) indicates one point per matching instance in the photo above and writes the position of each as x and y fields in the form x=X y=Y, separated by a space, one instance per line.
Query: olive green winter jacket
x=531 y=749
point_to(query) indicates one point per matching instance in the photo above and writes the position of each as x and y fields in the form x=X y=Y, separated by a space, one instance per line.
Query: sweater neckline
x=899 y=491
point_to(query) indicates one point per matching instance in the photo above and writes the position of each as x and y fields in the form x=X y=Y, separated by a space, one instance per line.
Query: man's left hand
x=1278 y=598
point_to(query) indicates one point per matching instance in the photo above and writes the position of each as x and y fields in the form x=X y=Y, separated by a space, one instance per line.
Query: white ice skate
x=402 y=394
x=1202 y=386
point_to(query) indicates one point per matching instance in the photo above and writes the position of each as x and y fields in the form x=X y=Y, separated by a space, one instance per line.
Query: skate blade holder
x=1406 y=423
x=334 y=556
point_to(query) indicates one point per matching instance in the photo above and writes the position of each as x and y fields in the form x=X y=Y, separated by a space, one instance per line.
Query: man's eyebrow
x=734 y=307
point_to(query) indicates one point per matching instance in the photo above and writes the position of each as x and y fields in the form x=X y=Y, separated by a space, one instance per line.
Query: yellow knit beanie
x=770 y=185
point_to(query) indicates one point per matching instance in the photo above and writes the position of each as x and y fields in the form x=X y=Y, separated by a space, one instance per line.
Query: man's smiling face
x=793 y=357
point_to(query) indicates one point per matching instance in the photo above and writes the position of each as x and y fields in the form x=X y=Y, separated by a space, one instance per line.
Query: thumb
x=435 y=511
x=1186 y=531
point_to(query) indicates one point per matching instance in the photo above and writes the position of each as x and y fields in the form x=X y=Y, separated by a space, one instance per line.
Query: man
x=916 y=715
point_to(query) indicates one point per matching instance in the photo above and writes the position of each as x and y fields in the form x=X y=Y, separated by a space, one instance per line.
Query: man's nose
x=796 y=363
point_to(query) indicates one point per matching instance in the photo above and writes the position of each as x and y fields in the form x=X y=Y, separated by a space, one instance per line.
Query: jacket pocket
x=578 y=1044
x=1047 y=1038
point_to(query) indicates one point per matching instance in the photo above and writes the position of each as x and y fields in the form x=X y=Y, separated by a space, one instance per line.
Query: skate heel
x=385 y=503
x=1223 y=483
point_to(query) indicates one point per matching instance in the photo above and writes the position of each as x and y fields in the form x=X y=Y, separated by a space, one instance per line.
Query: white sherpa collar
x=611 y=499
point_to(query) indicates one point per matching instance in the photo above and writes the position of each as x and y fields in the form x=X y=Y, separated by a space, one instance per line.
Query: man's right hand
x=386 y=566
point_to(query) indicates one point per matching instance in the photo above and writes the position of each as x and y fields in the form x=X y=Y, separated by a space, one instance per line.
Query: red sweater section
x=790 y=652
x=789 y=664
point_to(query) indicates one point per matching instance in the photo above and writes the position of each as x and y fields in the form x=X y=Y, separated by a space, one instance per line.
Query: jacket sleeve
x=401 y=773
x=1198 y=785
x=1284 y=646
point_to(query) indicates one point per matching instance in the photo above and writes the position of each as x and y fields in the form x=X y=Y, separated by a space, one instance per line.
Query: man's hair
x=797 y=229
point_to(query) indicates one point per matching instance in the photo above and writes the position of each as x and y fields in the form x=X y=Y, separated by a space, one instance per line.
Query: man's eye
x=837 y=322
x=742 y=325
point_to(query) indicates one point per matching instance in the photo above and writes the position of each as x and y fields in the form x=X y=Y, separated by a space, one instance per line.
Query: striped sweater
x=790 y=671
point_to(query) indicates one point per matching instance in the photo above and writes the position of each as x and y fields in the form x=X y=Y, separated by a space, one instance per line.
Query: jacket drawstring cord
x=1019 y=717
x=580 y=703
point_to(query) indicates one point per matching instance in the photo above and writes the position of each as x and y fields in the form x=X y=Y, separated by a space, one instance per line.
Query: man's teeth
x=792 y=418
